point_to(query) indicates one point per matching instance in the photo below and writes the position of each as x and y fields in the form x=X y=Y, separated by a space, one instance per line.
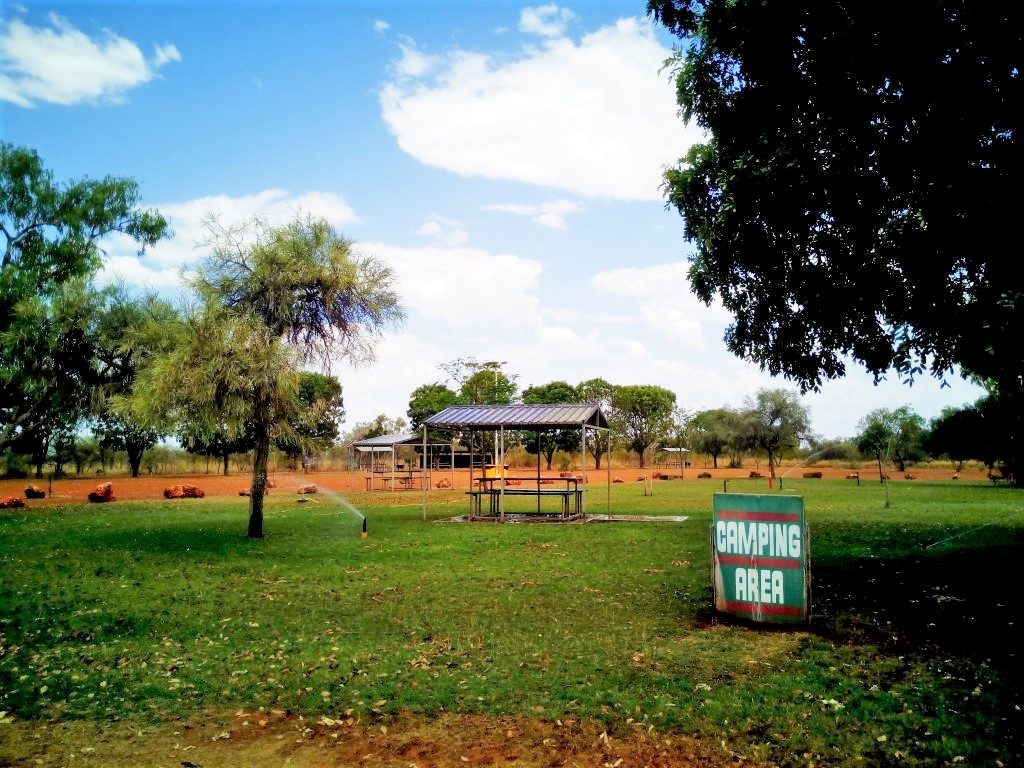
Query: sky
x=504 y=159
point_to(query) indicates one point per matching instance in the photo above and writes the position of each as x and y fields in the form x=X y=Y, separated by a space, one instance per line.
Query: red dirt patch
x=76 y=490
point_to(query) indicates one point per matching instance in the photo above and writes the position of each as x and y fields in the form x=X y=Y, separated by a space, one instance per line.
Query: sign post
x=759 y=550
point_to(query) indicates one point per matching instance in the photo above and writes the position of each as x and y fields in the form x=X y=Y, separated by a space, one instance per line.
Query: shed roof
x=384 y=442
x=537 y=417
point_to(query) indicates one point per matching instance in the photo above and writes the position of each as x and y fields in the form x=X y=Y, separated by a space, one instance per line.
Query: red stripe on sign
x=730 y=514
x=778 y=610
x=764 y=562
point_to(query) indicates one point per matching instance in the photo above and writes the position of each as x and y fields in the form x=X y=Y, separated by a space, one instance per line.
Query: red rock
x=754 y=474
x=815 y=474
x=11 y=502
x=103 y=493
x=183 y=492
x=35 y=492
x=704 y=475
x=307 y=489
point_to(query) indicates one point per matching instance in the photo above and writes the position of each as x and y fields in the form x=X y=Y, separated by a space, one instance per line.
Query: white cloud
x=165 y=54
x=545 y=20
x=661 y=297
x=62 y=65
x=414 y=63
x=443 y=231
x=596 y=118
x=472 y=293
x=159 y=267
x=549 y=214
x=380 y=26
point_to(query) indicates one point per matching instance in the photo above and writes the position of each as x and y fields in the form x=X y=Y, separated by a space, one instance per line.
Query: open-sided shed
x=587 y=417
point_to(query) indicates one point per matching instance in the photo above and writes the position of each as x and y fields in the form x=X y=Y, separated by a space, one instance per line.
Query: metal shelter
x=535 y=418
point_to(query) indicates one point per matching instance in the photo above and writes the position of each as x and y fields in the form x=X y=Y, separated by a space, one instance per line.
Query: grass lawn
x=146 y=615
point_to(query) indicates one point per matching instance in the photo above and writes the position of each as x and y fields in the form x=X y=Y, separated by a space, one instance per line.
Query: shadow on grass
x=961 y=611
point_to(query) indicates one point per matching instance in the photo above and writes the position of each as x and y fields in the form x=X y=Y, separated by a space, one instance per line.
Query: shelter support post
x=423 y=473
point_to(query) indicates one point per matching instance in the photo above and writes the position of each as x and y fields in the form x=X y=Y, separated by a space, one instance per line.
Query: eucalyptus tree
x=545 y=443
x=119 y=353
x=715 y=431
x=269 y=301
x=776 y=421
x=50 y=247
x=891 y=434
x=642 y=415
x=599 y=392
x=321 y=412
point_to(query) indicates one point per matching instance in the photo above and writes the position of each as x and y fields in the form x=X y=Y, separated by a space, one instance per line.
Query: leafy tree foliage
x=959 y=434
x=599 y=392
x=859 y=183
x=272 y=299
x=555 y=439
x=642 y=415
x=715 y=432
x=891 y=435
x=318 y=420
x=774 y=421
x=51 y=234
x=218 y=444
x=120 y=350
x=427 y=400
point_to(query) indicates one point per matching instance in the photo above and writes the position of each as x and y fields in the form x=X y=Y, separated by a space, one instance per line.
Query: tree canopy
x=52 y=233
x=547 y=442
x=859 y=183
x=642 y=415
x=270 y=300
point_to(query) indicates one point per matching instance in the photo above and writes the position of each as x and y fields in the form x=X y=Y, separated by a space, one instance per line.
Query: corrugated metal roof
x=551 y=416
x=386 y=441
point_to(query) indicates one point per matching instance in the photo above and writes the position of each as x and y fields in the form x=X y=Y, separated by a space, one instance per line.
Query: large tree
x=545 y=443
x=715 y=431
x=642 y=415
x=272 y=299
x=51 y=234
x=320 y=414
x=859 y=183
x=599 y=392
x=428 y=400
x=891 y=434
x=120 y=350
x=774 y=421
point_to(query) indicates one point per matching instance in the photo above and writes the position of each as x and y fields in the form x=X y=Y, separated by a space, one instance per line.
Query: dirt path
x=73 y=490
x=275 y=738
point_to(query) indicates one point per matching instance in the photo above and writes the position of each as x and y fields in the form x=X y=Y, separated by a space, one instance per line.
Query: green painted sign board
x=759 y=552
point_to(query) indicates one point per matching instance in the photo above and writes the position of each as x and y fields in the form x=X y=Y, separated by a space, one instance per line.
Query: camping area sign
x=759 y=552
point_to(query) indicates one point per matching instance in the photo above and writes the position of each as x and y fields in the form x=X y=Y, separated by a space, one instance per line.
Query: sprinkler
x=364 y=534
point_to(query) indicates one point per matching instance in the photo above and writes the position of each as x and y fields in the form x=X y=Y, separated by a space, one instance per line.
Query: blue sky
x=504 y=159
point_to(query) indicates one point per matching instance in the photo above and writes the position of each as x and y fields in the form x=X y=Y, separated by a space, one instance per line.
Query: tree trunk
x=227 y=456
x=714 y=461
x=881 y=478
x=135 y=453
x=261 y=455
x=549 y=455
x=771 y=464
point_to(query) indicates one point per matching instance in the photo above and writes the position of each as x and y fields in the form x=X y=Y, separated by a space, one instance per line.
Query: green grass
x=152 y=611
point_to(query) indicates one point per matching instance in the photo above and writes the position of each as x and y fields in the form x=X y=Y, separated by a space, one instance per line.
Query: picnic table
x=566 y=489
x=404 y=478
